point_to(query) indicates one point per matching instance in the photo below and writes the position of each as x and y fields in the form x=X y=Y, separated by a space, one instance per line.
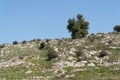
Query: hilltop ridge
x=94 y=57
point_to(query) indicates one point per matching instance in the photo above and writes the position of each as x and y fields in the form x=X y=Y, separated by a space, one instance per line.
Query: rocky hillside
x=96 y=57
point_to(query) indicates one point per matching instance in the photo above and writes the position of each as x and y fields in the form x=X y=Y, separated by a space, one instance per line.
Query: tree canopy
x=116 y=28
x=78 y=27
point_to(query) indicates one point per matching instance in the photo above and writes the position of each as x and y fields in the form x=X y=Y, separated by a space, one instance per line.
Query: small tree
x=15 y=42
x=24 y=42
x=117 y=28
x=42 y=45
x=78 y=28
x=51 y=54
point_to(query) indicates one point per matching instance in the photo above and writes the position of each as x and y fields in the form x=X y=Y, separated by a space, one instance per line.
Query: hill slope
x=91 y=58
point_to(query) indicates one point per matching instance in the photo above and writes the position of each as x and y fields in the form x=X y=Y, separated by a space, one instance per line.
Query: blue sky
x=30 y=19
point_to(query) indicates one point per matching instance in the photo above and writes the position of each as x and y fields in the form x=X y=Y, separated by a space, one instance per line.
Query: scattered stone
x=68 y=52
x=91 y=64
x=28 y=72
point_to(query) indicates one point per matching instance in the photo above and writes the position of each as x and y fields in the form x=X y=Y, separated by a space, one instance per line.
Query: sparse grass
x=115 y=55
x=42 y=67
x=19 y=72
x=16 y=52
x=12 y=73
x=69 y=69
x=101 y=73
x=42 y=62
x=94 y=73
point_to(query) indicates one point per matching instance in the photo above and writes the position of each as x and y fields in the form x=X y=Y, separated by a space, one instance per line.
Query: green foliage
x=24 y=42
x=98 y=73
x=51 y=54
x=117 y=28
x=92 y=37
x=37 y=40
x=15 y=42
x=47 y=40
x=2 y=45
x=78 y=28
x=103 y=53
x=115 y=55
x=78 y=54
x=42 y=45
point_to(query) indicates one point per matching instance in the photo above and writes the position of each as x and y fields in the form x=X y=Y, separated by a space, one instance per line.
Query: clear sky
x=30 y=19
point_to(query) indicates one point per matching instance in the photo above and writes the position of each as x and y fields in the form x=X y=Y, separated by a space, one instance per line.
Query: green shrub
x=93 y=37
x=24 y=42
x=78 y=54
x=32 y=40
x=21 y=57
x=15 y=42
x=38 y=40
x=103 y=54
x=117 y=28
x=42 y=45
x=51 y=54
x=2 y=45
x=47 y=40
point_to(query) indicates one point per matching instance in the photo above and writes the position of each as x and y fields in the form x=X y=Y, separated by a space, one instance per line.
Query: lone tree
x=117 y=28
x=78 y=27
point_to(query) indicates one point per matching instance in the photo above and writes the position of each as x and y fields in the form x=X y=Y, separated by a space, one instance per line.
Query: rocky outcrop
x=95 y=50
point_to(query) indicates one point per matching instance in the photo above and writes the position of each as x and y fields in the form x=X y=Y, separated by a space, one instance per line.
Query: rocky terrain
x=96 y=57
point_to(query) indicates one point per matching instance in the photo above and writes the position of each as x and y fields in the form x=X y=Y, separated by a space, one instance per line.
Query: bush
x=117 y=28
x=21 y=57
x=38 y=40
x=78 y=54
x=92 y=37
x=42 y=45
x=2 y=45
x=24 y=42
x=51 y=54
x=103 y=54
x=47 y=40
x=15 y=42
x=110 y=42
x=32 y=40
